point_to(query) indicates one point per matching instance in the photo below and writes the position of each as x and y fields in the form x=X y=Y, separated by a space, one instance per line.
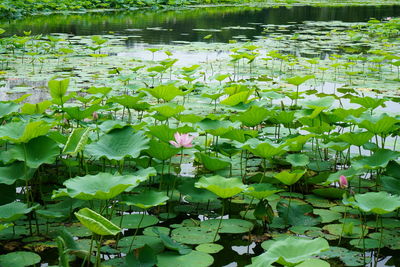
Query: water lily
x=182 y=140
x=343 y=181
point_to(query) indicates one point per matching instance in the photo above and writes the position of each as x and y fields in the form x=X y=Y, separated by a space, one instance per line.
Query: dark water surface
x=166 y=26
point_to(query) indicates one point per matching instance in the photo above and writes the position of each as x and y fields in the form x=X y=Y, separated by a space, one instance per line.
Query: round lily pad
x=228 y=226
x=209 y=248
x=19 y=259
x=327 y=216
x=132 y=221
x=367 y=242
x=347 y=230
x=149 y=230
x=313 y=263
x=193 y=259
x=193 y=235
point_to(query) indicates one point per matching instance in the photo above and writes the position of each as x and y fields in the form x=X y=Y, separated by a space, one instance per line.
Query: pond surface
x=166 y=27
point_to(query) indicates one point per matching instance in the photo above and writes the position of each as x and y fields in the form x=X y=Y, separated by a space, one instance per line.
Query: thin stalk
x=220 y=220
x=136 y=231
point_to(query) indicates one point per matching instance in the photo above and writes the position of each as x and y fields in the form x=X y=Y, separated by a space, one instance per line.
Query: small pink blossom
x=343 y=181
x=182 y=140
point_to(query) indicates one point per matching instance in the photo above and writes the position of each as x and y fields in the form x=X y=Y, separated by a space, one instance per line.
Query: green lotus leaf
x=134 y=221
x=298 y=160
x=381 y=125
x=327 y=216
x=289 y=178
x=5 y=226
x=76 y=141
x=161 y=150
x=290 y=251
x=166 y=134
x=19 y=259
x=209 y=248
x=265 y=149
x=314 y=263
x=80 y=114
x=194 y=194
x=193 y=259
x=110 y=125
x=252 y=117
x=96 y=223
x=212 y=163
x=36 y=152
x=14 y=210
x=141 y=240
x=164 y=92
x=369 y=102
x=260 y=191
x=168 y=110
x=221 y=186
x=377 y=202
x=298 y=80
x=38 y=108
x=235 y=99
x=58 y=88
x=7 y=108
x=378 y=160
x=240 y=135
x=100 y=186
x=298 y=214
x=356 y=139
x=16 y=171
x=22 y=132
x=348 y=230
x=216 y=127
x=228 y=226
x=194 y=235
x=126 y=100
x=146 y=199
x=118 y=144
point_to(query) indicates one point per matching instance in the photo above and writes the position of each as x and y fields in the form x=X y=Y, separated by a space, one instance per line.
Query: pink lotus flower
x=182 y=140
x=343 y=181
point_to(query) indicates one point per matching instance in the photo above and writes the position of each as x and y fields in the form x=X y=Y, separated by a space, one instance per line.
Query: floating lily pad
x=193 y=259
x=19 y=259
x=229 y=226
x=193 y=235
x=140 y=241
x=209 y=248
x=131 y=221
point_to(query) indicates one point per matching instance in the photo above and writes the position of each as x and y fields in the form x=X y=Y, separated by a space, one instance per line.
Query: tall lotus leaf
x=378 y=160
x=221 y=186
x=290 y=251
x=146 y=200
x=283 y=117
x=298 y=80
x=253 y=116
x=212 y=163
x=14 y=210
x=99 y=186
x=241 y=97
x=240 y=135
x=161 y=150
x=7 y=108
x=376 y=202
x=260 y=191
x=369 y=102
x=16 y=171
x=127 y=100
x=96 y=223
x=118 y=144
x=298 y=160
x=38 y=108
x=319 y=105
x=356 y=139
x=76 y=141
x=168 y=110
x=381 y=125
x=58 y=88
x=164 y=92
x=265 y=149
x=36 y=152
x=79 y=114
x=289 y=178
x=216 y=127
x=22 y=132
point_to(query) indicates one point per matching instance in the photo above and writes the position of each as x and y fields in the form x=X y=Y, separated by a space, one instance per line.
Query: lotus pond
x=167 y=139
